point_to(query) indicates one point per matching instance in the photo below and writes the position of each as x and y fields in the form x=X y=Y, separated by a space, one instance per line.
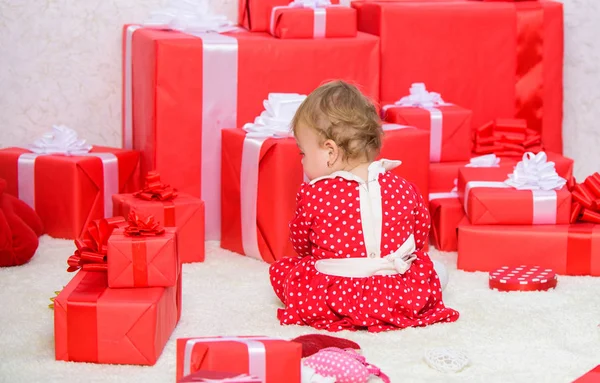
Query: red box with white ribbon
x=69 y=191
x=270 y=359
x=305 y=22
x=181 y=89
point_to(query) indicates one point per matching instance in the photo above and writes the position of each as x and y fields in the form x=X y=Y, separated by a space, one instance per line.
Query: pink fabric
x=346 y=366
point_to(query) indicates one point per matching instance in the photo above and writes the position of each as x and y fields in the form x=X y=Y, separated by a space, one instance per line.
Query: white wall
x=60 y=62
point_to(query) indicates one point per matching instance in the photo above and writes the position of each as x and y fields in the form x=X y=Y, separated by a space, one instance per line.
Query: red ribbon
x=154 y=190
x=142 y=227
x=579 y=249
x=506 y=137
x=586 y=199
x=92 y=246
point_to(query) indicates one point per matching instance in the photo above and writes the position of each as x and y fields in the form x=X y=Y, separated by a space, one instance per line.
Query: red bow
x=154 y=190
x=91 y=247
x=506 y=137
x=586 y=199
x=139 y=227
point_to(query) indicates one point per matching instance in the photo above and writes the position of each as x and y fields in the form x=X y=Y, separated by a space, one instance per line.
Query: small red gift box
x=592 y=376
x=449 y=127
x=566 y=249
x=487 y=199
x=272 y=360
x=68 y=192
x=216 y=377
x=288 y=22
x=96 y=324
x=446 y=215
x=142 y=261
x=184 y=212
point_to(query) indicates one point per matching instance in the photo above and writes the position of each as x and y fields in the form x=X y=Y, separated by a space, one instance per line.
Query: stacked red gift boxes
x=458 y=80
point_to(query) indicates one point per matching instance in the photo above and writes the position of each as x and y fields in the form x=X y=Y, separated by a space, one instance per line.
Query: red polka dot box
x=523 y=278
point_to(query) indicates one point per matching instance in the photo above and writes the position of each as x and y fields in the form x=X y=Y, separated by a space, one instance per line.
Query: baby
x=358 y=230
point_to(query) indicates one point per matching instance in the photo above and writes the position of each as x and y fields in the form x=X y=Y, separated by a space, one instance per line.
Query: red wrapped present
x=96 y=324
x=170 y=209
x=68 y=188
x=268 y=169
x=446 y=215
x=300 y=20
x=522 y=278
x=449 y=125
x=566 y=249
x=143 y=254
x=217 y=376
x=272 y=360
x=515 y=71
x=180 y=90
x=531 y=194
x=255 y=15
x=592 y=376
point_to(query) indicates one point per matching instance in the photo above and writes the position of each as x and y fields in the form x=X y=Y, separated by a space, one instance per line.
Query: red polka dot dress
x=360 y=261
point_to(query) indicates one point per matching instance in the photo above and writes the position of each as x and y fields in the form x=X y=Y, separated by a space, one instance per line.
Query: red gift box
x=185 y=213
x=566 y=249
x=255 y=15
x=498 y=59
x=148 y=261
x=93 y=323
x=272 y=360
x=446 y=215
x=307 y=23
x=488 y=200
x=181 y=90
x=216 y=377
x=450 y=140
x=592 y=376
x=255 y=222
x=68 y=192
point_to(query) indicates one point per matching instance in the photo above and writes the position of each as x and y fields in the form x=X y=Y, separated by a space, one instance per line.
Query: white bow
x=404 y=256
x=535 y=172
x=275 y=120
x=191 y=16
x=420 y=97
x=310 y=4
x=62 y=140
x=486 y=161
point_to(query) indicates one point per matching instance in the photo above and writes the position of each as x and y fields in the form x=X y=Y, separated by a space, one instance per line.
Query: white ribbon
x=419 y=97
x=64 y=141
x=219 y=90
x=256 y=353
x=274 y=122
x=486 y=161
x=319 y=8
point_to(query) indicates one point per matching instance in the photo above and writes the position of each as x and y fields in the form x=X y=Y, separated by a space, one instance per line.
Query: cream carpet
x=509 y=337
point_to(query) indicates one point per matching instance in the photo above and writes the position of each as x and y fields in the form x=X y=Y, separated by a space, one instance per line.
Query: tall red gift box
x=272 y=360
x=498 y=59
x=93 y=323
x=566 y=249
x=256 y=222
x=69 y=192
x=309 y=23
x=446 y=215
x=181 y=90
x=185 y=213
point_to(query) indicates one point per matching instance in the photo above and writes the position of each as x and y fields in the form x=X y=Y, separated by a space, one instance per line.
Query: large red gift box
x=489 y=201
x=272 y=360
x=446 y=215
x=144 y=261
x=308 y=23
x=93 y=323
x=185 y=213
x=498 y=59
x=450 y=141
x=566 y=249
x=255 y=221
x=69 y=192
x=181 y=90
x=218 y=376
x=255 y=15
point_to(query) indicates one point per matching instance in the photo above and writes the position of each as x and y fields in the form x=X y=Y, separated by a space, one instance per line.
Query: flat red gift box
x=446 y=215
x=264 y=233
x=96 y=324
x=498 y=59
x=181 y=90
x=147 y=261
x=185 y=213
x=452 y=143
x=299 y=23
x=255 y=15
x=277 y=360
x=216 y=377
x=492 y=204
x=566 y=249
x=592 y=376
x=69 y=191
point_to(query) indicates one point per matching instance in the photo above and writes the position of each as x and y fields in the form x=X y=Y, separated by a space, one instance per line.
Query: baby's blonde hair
x=338 y=111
